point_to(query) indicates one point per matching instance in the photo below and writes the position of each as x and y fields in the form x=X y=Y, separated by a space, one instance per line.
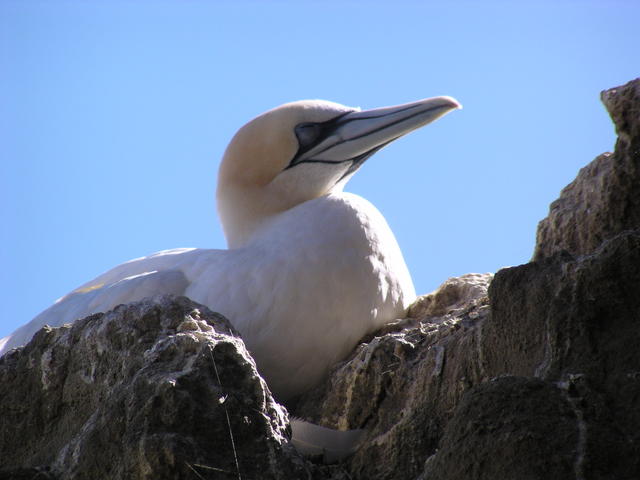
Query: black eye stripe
x=322 y=128
x=308 y=133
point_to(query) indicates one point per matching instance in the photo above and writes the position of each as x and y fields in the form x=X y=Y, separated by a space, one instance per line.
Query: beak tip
x=452 y=102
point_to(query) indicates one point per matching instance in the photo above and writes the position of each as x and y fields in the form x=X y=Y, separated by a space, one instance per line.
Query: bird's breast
x=310 y=284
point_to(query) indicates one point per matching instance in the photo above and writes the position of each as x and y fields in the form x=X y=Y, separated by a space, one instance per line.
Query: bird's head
x=304 y=150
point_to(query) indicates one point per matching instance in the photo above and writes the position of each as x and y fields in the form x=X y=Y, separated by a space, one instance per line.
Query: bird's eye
x=307 y=133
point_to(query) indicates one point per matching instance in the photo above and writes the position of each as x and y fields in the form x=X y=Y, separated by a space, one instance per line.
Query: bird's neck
x=242 y=212
x=242 y=228
x=245 y=226
x=244 y=232
x=245 y=213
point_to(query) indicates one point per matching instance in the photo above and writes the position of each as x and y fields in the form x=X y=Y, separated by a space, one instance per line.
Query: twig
x=206 y=467
x=226 y=412
x=194 y=471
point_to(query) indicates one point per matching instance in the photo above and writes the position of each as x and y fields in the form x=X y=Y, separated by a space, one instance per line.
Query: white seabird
x=310 y=269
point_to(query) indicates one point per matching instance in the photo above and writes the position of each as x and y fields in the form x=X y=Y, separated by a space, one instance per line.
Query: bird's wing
x=160 y=273
x=314 y=440
x=99 y=298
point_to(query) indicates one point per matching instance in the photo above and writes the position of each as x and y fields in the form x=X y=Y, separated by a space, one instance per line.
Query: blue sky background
x=114 y=115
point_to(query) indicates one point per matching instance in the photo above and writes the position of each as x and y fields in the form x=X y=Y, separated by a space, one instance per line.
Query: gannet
x=309 y=269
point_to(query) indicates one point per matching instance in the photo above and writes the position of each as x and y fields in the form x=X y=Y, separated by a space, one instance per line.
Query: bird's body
x=320 y=297
x=310 y=269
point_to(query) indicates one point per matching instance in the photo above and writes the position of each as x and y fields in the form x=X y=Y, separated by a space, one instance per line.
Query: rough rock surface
x=533 y=373
x=501 y=429
x=600 y=202
x=157 y=389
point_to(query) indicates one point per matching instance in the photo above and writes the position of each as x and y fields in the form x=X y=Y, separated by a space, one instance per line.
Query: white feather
x=314 y=440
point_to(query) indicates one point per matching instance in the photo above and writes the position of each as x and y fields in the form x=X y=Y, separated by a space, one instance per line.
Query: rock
x=602 y=200
x=570 y=318
x=26 y=474
x=501 y=430
x=572 y=314
x=157 y=389
x=452 y=297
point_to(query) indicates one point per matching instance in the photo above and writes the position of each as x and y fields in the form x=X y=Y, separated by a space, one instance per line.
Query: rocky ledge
x=532 y=373
x=162 y=388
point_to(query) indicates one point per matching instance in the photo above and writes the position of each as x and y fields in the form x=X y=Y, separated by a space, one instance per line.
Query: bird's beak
x=357 y=135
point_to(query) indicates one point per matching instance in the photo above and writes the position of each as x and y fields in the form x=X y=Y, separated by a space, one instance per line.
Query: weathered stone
x=452 y=297
x=602 y=201
x=502 y=429
x=575 y=314
x=155 y=389
x=26 y=474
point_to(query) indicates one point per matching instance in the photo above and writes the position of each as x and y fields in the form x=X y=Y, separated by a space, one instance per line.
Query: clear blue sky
x=114 y=115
